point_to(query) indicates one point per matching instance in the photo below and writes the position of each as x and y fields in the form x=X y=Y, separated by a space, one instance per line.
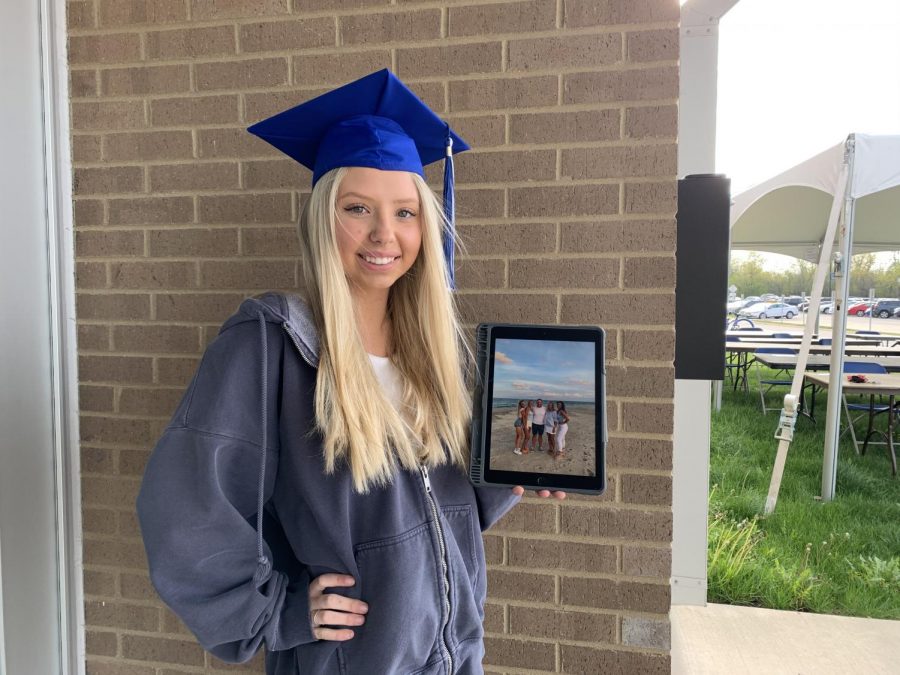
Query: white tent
x=788 y=213
x=856 y=183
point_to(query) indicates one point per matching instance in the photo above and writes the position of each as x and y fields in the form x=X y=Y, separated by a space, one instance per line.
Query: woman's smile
x=378 y=228
x=379 y=261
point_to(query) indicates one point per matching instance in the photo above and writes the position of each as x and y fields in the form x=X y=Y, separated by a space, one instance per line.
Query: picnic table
x=797 y=339
x=822 y=361
x=855 y=349
x=881 y=384
x=746 y=354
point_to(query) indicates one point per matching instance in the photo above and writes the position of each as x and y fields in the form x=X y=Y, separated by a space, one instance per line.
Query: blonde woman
x=529 y=421
x=321 y=445
x=519 y=426
x=550 y=427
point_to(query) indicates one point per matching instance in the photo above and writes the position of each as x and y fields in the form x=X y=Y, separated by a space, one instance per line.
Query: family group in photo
x=535 y=420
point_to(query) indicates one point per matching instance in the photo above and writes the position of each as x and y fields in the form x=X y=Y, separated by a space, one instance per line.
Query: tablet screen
x=539 y=418
x=549 y=387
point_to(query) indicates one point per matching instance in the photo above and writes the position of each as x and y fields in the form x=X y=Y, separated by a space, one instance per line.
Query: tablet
x=539 y=408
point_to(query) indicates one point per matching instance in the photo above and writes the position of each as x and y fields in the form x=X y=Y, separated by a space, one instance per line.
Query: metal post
x=872 y=301
x=838 y=333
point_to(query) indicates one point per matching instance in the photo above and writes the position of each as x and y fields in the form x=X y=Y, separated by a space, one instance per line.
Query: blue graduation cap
x=375 y=122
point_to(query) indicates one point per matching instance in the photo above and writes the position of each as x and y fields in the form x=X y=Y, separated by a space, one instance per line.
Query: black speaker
x=701 y=291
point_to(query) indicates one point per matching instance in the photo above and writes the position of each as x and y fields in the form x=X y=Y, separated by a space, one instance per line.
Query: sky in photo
x=548 y=369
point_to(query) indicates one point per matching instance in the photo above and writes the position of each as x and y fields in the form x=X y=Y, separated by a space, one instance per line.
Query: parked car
x=741 y=304
x=781 y=309
x=885 y=308
x=826 y=307
x=794 y=300
x=769 y=310
x=733 y=306
x=860 y=308
x=897 y=313
x=753 y=310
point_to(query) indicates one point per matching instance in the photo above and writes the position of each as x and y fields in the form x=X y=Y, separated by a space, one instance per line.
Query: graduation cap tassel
x=449 y=214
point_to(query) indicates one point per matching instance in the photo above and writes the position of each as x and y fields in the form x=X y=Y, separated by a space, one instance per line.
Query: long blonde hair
x=357 y=421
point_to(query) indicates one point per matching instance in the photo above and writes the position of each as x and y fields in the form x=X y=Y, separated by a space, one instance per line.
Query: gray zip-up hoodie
x=238 y=516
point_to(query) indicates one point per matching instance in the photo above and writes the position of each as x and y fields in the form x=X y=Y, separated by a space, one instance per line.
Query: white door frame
x=61 y=238
x=41 y=596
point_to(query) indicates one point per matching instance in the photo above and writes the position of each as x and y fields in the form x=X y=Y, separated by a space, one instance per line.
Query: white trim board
x=40 y=517
x=61 y=251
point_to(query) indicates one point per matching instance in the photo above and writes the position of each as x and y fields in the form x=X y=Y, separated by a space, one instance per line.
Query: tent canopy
x=788 y=214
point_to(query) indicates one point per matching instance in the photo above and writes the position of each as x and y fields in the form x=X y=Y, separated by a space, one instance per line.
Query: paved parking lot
x=854 y=323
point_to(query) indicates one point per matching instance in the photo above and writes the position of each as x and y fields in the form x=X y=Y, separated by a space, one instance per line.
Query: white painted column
x=690 y=467
x=699 y=52
x=40 y=578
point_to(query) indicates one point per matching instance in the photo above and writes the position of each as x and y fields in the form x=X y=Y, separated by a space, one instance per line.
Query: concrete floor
x=728 y=640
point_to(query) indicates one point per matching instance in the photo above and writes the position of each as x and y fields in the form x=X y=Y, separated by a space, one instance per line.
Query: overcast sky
x=798 y=76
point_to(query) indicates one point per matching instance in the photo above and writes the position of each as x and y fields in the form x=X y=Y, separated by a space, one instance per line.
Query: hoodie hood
x=289 y=311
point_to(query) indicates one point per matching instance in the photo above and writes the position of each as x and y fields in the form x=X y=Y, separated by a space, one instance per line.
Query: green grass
x=841 y=557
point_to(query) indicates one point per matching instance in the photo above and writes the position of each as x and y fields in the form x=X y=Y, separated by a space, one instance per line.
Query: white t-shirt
x=389 y=378
x=539 y=414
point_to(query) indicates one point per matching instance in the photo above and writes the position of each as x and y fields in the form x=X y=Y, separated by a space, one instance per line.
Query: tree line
x=753 y=277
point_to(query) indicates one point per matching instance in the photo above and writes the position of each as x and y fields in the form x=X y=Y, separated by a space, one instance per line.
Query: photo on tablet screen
x=543 y=407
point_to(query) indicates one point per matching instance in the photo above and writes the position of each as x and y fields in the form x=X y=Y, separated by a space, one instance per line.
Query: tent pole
x=838 y=336
x=785 y=431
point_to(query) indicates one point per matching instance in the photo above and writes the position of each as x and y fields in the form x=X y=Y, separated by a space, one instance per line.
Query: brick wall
x=566 y=206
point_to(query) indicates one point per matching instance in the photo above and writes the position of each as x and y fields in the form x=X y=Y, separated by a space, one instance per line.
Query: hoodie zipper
x=437 y=521
x=434 y=514
x=296 y=341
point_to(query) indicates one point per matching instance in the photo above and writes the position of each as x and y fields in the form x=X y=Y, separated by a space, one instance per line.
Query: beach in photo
x=532 y=380
x=579 y=459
